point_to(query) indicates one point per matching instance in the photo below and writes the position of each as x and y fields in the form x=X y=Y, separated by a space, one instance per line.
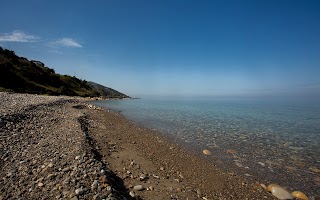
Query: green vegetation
x=17 y=74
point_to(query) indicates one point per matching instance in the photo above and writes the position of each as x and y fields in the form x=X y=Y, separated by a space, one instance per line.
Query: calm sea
x=271 y=141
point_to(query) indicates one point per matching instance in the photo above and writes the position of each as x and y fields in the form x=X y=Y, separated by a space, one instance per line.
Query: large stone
x=299 y=195
x=279 y=192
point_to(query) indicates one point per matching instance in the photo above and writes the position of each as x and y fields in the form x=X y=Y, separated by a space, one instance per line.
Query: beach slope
x=64 y=148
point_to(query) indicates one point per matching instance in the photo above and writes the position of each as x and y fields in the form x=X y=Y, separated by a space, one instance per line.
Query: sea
x=266 y=140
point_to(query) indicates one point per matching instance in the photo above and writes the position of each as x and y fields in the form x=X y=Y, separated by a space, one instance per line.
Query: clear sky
x=173 y=47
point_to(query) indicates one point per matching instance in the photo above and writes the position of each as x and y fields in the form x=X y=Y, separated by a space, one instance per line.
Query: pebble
x=65 y=169
x=142 y=177
x=79 y=191
x=279 y=192
x=50 y=165
x=94 y=185
x=97 y=197
x=132 y=194
x=299 y=195
x=231 y=151
x=40 y=184
x=50 y=176
x=77 y=157
x=206 y=152
x=263 y=186
x=138 y=188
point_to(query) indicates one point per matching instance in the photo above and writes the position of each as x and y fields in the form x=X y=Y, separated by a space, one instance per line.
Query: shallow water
x=271 y=141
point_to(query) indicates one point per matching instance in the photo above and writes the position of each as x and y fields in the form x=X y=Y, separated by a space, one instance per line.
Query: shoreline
x=176 y=166
x=232 y=159
x=64 y=148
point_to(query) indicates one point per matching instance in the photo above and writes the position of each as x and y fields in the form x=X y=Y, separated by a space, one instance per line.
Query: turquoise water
x=267 y=140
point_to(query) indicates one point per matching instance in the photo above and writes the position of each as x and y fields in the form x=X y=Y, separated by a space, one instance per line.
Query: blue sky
x=173 y=48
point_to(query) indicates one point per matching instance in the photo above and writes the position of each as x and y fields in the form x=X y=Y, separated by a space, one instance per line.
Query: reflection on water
x=268 y=140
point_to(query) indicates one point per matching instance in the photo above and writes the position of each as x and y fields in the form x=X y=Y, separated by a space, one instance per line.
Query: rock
x=206 y=152
x=132 y=194
x=77 y=158
x=271 y=186
x=74 y=198
x=138 y=188
x=50 y=176
x=97 y=197
x=161 y=168
x=314 y=169
x=66 y=169
x=279 y=192
x=50 y=165
x=79 y=191
x=143 y=177
x=40 y=184
x=94 y=185
x=299 y=195
x=263 y=186
x=231 y=151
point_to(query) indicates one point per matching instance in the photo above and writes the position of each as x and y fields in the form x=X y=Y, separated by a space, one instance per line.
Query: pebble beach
x=66 y=148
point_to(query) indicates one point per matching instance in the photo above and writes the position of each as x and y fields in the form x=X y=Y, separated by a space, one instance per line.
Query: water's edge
x=239 y=157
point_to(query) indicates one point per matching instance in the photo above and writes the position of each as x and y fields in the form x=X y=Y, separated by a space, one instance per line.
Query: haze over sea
x=268 y=140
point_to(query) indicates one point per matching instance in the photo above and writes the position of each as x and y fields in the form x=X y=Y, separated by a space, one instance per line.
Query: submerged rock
x=206 y=152
x=279 y=192
x=299 y=195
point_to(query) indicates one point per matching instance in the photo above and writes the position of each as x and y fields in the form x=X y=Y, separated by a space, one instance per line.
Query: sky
x=206 y=48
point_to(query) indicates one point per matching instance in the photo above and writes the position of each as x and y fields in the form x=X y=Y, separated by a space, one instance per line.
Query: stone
x=314 y=169
x=50 y=176
x=263 y=186
x=40 y=184
x=97 y=197
x=138 y=188
x=66 y=169
x=271 y=186
x=206 y=152
x=142 y=177
x=132 y=194
x=79 y=191
x=50 y=165
x=77 y=157
x=299 y=195
x=94 y=185
x=231 y=151
x=279 y=192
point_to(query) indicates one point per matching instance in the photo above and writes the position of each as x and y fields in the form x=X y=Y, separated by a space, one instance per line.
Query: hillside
x=18 y=74
x=106 y=91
